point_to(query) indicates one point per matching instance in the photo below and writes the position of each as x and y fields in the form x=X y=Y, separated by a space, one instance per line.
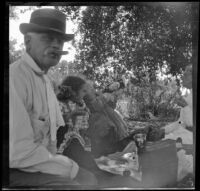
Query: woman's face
x=82 y=92
x=86 y=91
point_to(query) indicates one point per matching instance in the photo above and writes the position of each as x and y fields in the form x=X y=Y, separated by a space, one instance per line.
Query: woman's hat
x=47 y=20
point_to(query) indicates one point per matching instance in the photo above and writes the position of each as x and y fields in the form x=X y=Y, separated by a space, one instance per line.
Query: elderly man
x=34 y=112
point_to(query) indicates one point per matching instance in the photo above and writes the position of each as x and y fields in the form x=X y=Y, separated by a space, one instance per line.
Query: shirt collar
x=31 y=63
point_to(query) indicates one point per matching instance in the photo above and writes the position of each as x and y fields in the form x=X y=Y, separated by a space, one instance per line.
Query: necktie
x=55 y=114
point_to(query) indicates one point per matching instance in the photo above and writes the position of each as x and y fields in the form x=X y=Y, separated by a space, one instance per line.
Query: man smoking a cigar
x=34 y=112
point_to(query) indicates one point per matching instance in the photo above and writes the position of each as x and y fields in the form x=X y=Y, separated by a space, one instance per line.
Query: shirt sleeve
x=24 y=153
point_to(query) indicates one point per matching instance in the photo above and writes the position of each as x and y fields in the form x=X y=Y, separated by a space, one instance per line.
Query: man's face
x=42 y=48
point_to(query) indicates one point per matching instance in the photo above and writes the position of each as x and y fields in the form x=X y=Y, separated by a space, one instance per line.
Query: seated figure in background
x=76 y=89
x=182 y=131
x=180 y=128
x=107 y=131
x=186 y=116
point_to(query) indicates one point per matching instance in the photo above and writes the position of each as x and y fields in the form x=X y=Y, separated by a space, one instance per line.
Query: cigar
x=61 y=52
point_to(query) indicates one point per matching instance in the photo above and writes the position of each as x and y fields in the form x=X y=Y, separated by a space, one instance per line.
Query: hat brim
x=30 y=27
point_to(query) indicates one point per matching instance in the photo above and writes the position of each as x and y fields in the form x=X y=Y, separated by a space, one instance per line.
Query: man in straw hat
x=34 y=112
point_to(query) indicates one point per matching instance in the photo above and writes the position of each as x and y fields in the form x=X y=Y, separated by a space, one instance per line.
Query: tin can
x=140 y=140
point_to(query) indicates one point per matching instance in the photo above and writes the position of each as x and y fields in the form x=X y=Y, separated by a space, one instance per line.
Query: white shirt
x=31 y=148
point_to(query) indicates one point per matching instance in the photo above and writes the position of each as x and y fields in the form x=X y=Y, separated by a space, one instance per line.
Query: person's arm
x=24 y=153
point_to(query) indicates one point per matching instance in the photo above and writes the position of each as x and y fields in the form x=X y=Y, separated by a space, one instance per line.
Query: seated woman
x=69 y=140
x=107 y=131
x=73 y=147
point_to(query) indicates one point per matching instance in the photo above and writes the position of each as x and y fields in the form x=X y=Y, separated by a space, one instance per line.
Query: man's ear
x=27 y=41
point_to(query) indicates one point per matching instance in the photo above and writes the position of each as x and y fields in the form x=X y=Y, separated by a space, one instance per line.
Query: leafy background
x=146 y=44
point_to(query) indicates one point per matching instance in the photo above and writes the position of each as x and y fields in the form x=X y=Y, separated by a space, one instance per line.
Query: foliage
x=144 y=38
x=72 y=12
x=61 y=70
x=14 y=54
x=140 y=37
x=13 y=13
x=58 y=72
x=158 y=100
